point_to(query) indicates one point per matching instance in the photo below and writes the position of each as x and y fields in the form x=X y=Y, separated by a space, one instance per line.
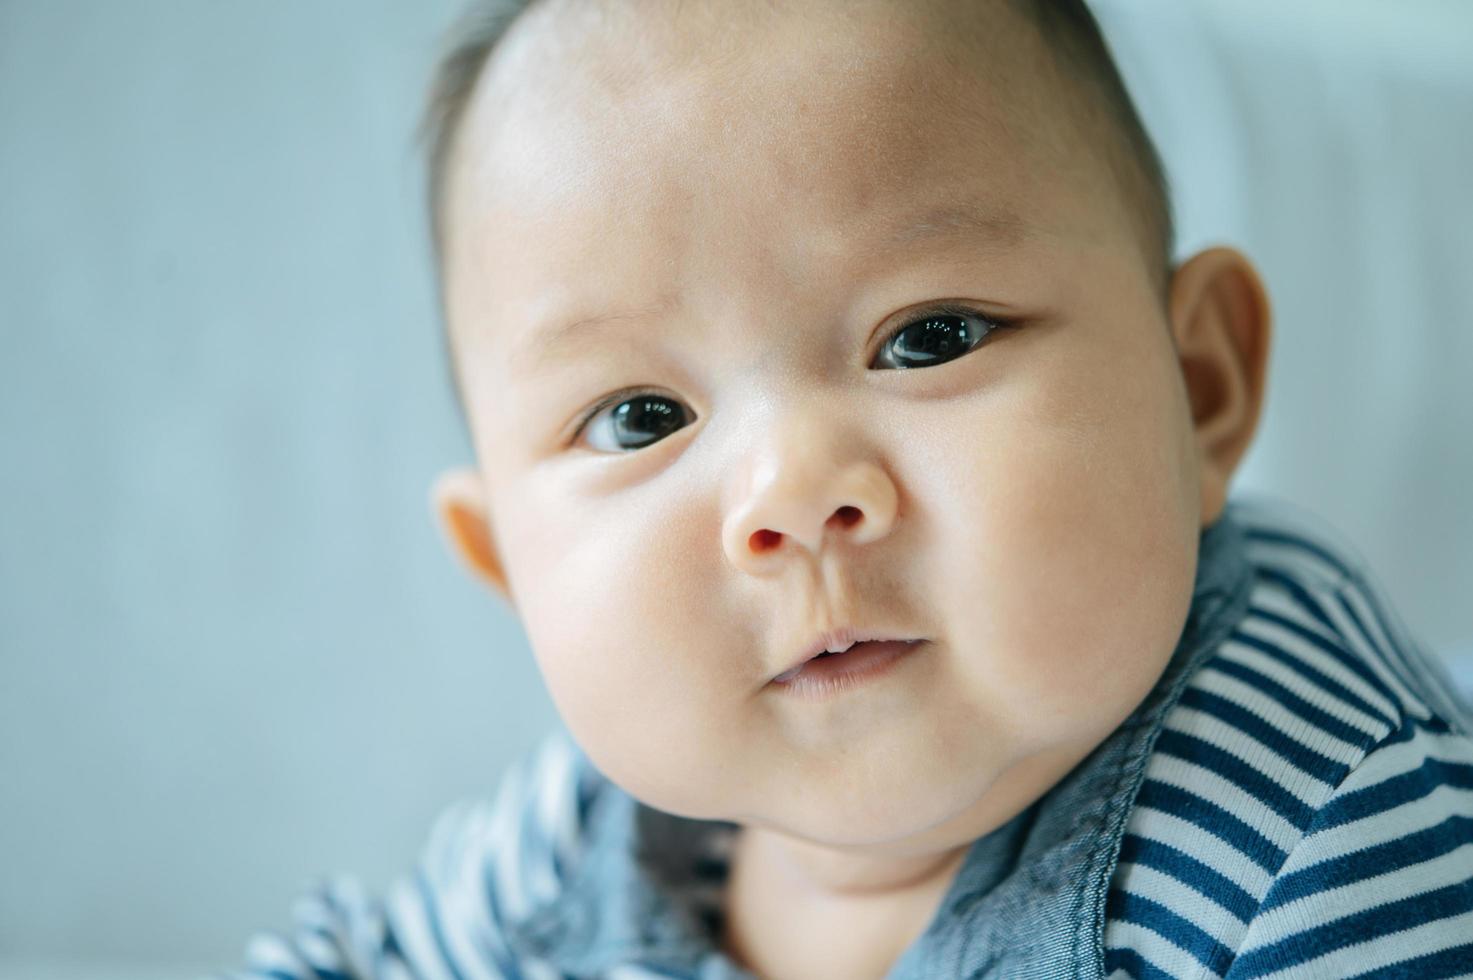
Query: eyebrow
x=996 y=229
x=547 y=345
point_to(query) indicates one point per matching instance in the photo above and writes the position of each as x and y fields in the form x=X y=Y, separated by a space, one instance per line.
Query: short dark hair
x=1068 y=28
x=1072 y=34
x=469 y=44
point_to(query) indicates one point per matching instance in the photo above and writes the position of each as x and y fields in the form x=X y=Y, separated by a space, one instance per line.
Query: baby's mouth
x=860 y=661
x=788 y=675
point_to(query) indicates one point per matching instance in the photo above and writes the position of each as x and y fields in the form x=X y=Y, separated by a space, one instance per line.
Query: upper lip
x=839 y=640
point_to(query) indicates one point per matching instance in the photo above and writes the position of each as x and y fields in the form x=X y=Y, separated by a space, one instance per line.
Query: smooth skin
x=755 y=198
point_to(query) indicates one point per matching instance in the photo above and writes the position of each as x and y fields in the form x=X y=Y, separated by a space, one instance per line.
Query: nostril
x=765 y=540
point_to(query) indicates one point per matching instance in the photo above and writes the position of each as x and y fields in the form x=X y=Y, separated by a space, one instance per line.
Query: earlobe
x=1221 y=326
x=458 y=500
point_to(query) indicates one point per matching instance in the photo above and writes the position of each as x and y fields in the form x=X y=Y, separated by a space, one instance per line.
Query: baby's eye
x=938 y=336
x=637 y=421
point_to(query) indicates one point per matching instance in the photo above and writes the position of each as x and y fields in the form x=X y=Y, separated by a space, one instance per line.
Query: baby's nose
x=807 y=503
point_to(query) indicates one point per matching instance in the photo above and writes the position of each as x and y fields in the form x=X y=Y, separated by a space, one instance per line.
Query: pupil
x=647 y=419
x=932 y=339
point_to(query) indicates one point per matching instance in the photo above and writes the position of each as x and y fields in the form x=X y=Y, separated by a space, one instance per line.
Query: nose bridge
x=807 y=476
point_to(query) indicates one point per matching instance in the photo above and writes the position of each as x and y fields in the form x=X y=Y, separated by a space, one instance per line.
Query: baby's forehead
x=618 y=100
x=627 y=42
x=601 y=169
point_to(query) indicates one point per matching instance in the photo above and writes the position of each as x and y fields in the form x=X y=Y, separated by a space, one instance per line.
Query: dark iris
x=645 y=419
x=936 y=338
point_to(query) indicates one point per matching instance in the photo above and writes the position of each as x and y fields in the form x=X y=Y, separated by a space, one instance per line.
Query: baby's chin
x=911 y=804
x=899 y=830
x=929 y=804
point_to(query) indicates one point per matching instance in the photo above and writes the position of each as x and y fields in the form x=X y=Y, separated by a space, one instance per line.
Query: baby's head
x=772 y=320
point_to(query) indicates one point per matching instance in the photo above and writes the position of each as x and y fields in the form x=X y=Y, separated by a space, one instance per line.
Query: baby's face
x=782 y=243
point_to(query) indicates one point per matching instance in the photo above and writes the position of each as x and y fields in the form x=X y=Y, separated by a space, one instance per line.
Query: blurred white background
x=234 y=654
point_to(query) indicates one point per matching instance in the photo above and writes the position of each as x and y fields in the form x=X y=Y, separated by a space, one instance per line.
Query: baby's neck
x=797 y=910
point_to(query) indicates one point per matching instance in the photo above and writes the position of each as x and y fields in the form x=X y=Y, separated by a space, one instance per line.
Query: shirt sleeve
x=486 y=863
x=1381 y=883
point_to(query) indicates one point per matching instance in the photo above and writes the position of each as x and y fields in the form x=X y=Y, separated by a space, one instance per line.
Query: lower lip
x=824 y=677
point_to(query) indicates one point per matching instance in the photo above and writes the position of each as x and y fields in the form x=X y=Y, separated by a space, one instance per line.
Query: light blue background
x=234 y=653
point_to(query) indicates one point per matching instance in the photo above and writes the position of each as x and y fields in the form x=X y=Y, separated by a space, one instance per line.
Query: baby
x=856 y=458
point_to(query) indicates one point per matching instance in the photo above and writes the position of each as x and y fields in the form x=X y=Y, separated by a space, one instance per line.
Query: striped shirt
x=1294 y=799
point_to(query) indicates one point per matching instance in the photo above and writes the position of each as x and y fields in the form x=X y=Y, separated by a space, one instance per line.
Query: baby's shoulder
x=1318 y=612
x=1309 y=789
x=543 y=802
x=516 y=847
x=489 y=863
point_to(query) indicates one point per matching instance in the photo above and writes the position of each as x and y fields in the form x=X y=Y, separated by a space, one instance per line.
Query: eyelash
x=941 y=309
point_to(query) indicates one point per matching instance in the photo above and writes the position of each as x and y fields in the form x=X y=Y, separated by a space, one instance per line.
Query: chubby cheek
x=628 y=650
x=1081 y=552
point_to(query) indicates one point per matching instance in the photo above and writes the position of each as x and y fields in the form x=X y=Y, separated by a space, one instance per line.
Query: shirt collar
x=1028 y=900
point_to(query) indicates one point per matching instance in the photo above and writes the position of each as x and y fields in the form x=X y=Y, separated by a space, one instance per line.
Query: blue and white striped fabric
x=1306 y=810
x=1310 y=797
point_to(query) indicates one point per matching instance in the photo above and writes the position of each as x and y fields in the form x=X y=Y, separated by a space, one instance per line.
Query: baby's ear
x=458 y=500
x=1220 y=321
